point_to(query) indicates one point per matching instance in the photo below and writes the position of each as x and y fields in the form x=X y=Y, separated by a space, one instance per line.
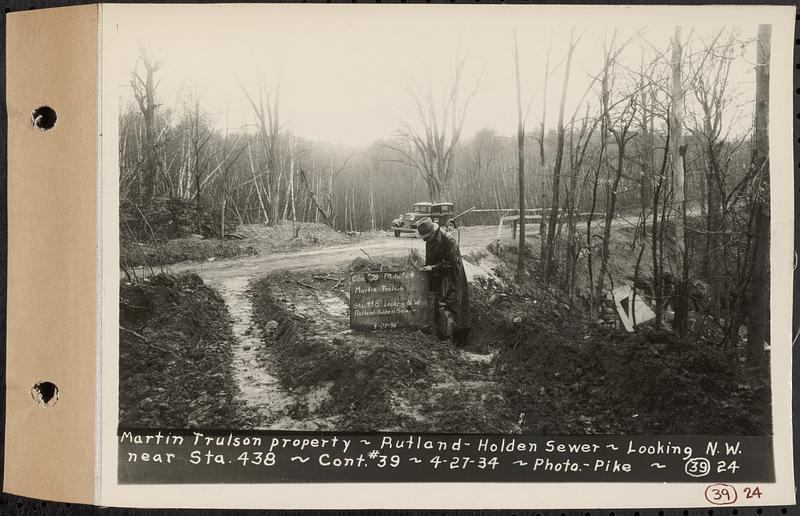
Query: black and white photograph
x=402 y=256
x=477 y=227
x=443 y=228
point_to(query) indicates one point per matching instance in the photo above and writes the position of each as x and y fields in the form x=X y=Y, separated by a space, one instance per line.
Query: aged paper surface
x=52 y=61
x=449 y=494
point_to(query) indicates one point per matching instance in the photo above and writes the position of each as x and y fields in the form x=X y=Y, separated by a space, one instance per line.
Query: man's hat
x=425 y=227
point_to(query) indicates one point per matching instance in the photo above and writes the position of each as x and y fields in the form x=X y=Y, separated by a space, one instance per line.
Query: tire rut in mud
x=270 y=404
x=175 y=356
x=398 y=380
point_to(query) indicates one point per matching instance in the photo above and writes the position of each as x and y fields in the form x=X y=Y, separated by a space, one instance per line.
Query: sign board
x=624 y=301
x=381 y=300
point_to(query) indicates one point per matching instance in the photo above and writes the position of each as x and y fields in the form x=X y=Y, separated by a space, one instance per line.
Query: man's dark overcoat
x=449 y=280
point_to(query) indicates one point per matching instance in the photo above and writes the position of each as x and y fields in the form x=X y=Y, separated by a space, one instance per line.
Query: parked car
x=440 y=212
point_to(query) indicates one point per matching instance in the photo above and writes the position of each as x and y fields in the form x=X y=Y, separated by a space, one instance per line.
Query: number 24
x=752 y=492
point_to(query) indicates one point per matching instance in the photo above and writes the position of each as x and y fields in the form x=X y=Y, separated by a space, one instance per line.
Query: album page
x=437 y=256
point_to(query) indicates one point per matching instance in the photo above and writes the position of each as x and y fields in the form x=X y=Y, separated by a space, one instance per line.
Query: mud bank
x=395 y=380
x=175 y=357
x=565 y=374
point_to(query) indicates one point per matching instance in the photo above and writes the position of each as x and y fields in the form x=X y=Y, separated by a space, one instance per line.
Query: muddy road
x=269 y=403
x=214 y=272
x=277 y=331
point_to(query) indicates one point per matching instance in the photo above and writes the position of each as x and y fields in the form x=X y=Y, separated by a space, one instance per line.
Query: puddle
x=462 y=381
x=401 y=406
x=261 y=391
x=333 y=304
x=326 y=310
x=477 y=357
x=316 y=397
x=483 y=269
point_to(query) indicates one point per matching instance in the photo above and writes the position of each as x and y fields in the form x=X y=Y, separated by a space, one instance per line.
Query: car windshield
x=422 y=208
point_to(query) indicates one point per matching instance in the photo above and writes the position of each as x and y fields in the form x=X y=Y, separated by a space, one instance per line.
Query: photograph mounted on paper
x=482 y=227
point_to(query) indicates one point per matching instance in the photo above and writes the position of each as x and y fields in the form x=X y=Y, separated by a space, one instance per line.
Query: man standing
x=448 y=282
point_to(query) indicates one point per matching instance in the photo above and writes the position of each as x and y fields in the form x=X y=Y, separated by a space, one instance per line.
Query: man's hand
x=427 y=268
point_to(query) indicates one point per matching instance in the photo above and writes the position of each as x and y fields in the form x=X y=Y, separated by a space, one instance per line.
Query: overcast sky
x=342 y=69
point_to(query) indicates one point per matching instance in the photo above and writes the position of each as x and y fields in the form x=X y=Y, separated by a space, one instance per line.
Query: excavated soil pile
x=569 y=375
x=175 y=356
x=163 y=219
x=133 y=254
x=290 y=236
x=398 y=380
x=248 y=239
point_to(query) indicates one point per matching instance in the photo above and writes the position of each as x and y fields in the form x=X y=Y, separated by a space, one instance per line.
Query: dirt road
x=472 y=238
x=266 y=399
x=294 y=364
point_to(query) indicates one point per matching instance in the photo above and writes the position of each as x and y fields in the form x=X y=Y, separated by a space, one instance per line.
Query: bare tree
x=430 y=149
x=677 y=245
x=542 y=160
x=373 y=170
x=521 y=167
x=292 y=158
x=654 y=186
x=708 y=81
x=144 y=91
x=481 y=156
x=226 y=160
x=199 y=137
x=266 y=108
x=554 y=205
x=577 y=154
x=620 y=130
x=606 y=77
x=324 y=204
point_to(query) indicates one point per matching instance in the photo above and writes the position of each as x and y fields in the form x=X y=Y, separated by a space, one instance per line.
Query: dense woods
x=662 y=141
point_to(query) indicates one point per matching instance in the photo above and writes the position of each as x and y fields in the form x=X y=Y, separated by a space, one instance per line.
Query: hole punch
x=44 y=118
x=45 y=394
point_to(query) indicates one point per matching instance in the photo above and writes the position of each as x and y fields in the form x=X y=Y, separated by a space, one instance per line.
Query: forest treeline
x=664 y=137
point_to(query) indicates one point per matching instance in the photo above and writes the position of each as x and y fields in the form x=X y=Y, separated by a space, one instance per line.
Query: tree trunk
x=611 y=205
x=676 y=236
x=144 y=92
x=255 y=184
x=657 y=241
x=543 y=163
x=222 y=217
x=758 y=327
x=549 y=264
x=371 y=199
x=197 y=169
x=714 y=256
x=291 y=191
x=521 y=167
